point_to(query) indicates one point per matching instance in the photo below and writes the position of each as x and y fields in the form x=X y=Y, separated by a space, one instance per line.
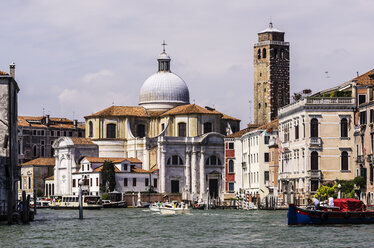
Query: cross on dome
x=163 y=46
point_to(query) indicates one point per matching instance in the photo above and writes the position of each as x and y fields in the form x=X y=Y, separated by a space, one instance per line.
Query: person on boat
x=316 y=203
x=331 y=201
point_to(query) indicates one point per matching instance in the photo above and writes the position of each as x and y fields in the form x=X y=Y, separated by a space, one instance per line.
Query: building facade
x=36 y=135
x=271 y=74
x=316 y=145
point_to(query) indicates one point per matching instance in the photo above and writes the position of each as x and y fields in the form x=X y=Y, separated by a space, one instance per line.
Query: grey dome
x=164 y=87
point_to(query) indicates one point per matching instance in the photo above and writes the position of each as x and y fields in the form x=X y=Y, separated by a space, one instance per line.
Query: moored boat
x=167 y=209
x=72 y=202
x=345 y=211
x=110 y=204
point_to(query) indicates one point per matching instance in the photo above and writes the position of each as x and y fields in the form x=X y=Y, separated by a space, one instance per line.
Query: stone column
x=193 y=171
x=188 y=170
x=162 y=170
x=202 y=173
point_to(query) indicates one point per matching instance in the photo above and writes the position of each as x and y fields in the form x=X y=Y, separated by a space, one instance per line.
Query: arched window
x=182 y=129
x=282 y=53
x=264 y=53
x=213 y=160
x=344 y=128
x=314 y=161
x=275 y=53
x=140 y=130
x=314 y=128
x=231 y=166
x=174 y=160
x=344 y=160
x=259 y=53
x=29 y=182
x=34 y=151
x=111 y=131
x=90 y=129
x=259 y=105
x=207 y=127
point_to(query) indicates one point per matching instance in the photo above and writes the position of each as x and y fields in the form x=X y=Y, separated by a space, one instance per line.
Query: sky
x=75 y=58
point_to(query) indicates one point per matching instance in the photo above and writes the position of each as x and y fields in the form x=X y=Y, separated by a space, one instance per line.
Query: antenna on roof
x=73 y=114
x=163 y=46
x=270 y=23
x=113 y=103
x=327 y=74
x=43 y=111
x=357 y=73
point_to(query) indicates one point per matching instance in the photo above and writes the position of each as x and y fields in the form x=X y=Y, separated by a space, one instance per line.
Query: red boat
x=345 y=211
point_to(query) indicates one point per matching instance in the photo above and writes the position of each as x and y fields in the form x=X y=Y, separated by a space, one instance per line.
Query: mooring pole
x=80 y=200
x=34 y=201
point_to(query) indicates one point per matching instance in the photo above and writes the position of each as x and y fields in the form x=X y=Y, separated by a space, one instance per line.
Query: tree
x=324 y=191
x=108 y=177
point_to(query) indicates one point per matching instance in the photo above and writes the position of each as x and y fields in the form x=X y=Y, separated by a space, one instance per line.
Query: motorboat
x=155 y=207
x=42 y=203
x=344 y=211
x=72 y=202
x=174 y=208
x=110 y=204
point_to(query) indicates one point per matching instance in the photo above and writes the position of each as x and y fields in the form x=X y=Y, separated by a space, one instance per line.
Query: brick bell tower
x=271 y=74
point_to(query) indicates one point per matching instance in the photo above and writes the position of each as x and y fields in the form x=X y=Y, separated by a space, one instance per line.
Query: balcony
x=360 y=159
x=369 y=158
x=284 y=175
x=315 y=142
x=315 y=174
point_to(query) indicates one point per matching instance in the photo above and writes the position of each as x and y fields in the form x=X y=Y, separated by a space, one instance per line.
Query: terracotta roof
x=189 y=109
x=114 y=160
x=364 y=78
x=273 y=125
x=55 y=122
x=239 y=133
x=99 y=169
x=227 y=117
x=120 y=111
x=50 y=178
x=139 y=170
x=41 y=161
x=82 y=141
x=155 y=113
x=3 y=73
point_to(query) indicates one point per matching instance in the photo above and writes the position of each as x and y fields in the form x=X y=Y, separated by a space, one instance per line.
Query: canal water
x=211 y=228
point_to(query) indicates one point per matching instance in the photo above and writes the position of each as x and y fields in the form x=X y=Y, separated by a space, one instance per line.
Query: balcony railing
x=369 y=158
x=315 y=174
x=284 y=175
x=315 y=141
x=360 y=159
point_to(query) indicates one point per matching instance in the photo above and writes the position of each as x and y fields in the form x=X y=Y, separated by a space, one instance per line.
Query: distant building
x=271 y=74
x=33 y=175
x=9 y=171
x=37 y=134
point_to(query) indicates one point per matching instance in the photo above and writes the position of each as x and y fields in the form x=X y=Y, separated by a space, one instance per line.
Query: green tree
x=39 y=192
x=108 y=177
x=324 y=191
x=347 y=188
x=360 y=181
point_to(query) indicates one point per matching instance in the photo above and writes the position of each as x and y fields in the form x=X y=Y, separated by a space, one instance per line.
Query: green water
x=213 y=228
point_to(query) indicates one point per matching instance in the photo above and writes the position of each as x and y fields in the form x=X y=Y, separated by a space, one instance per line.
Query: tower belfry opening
x=271 y=74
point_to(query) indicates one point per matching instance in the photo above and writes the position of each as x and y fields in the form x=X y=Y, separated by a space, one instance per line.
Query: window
x=259 y=53
x=363 y=117
x=134 y=182
x=231 y=187
x=282 y=53
x=371 y=115
x=125 y=182
x=90 y=182
x=42 y=151
x=90 y=129
x=313 y=185
x=266 y=140
x=344 y=128
x=140 y=130
x=314 y=128
x=231 y=145
x=125 y=167
x=146 y=182
x=266 y=157
x=213 y=160
x=314 y=160
x=231 y=166
x=275 y=53
x=34 y=151
x=297 y=131
x=361 y=99
x=52 y=133
x=74 y=183
x=155 y=182
x=207 y=127
x=344 y=161
x=111 y=131
x=264 y=53
x=29 y=182
x=97 y=181
x=259 y=105
x=162 y=126
x=174 y=160
x=182 y=129
x=371 y=174
x=266 y=176
x=58 y=133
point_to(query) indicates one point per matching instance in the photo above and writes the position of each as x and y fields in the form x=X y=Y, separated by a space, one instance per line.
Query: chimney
x=75 y=122
x=47 y=120
x=12 y=70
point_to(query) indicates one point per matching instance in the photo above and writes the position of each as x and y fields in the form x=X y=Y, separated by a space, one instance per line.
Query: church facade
x=183 y=141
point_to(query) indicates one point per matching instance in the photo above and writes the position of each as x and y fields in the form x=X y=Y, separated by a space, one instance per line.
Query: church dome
x=163 y=90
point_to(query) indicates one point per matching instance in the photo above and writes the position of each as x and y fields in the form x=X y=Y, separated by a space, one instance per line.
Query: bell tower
x=271 y=74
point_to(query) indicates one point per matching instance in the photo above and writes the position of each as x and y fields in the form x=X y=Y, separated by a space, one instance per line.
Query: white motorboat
x=155 y=207
x=72 y=202
x=174 y=209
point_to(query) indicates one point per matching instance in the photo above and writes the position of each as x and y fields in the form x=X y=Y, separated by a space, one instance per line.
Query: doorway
x=213 y=188
x=174 y=186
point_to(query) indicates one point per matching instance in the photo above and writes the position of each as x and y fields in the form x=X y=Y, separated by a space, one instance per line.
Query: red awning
x=348 y=204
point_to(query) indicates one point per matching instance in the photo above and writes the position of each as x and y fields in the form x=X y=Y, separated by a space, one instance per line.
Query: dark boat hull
x=301 y=216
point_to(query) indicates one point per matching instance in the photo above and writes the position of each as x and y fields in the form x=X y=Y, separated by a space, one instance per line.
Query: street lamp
x=207 y=197
x=80 y=200
x=339 y=187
